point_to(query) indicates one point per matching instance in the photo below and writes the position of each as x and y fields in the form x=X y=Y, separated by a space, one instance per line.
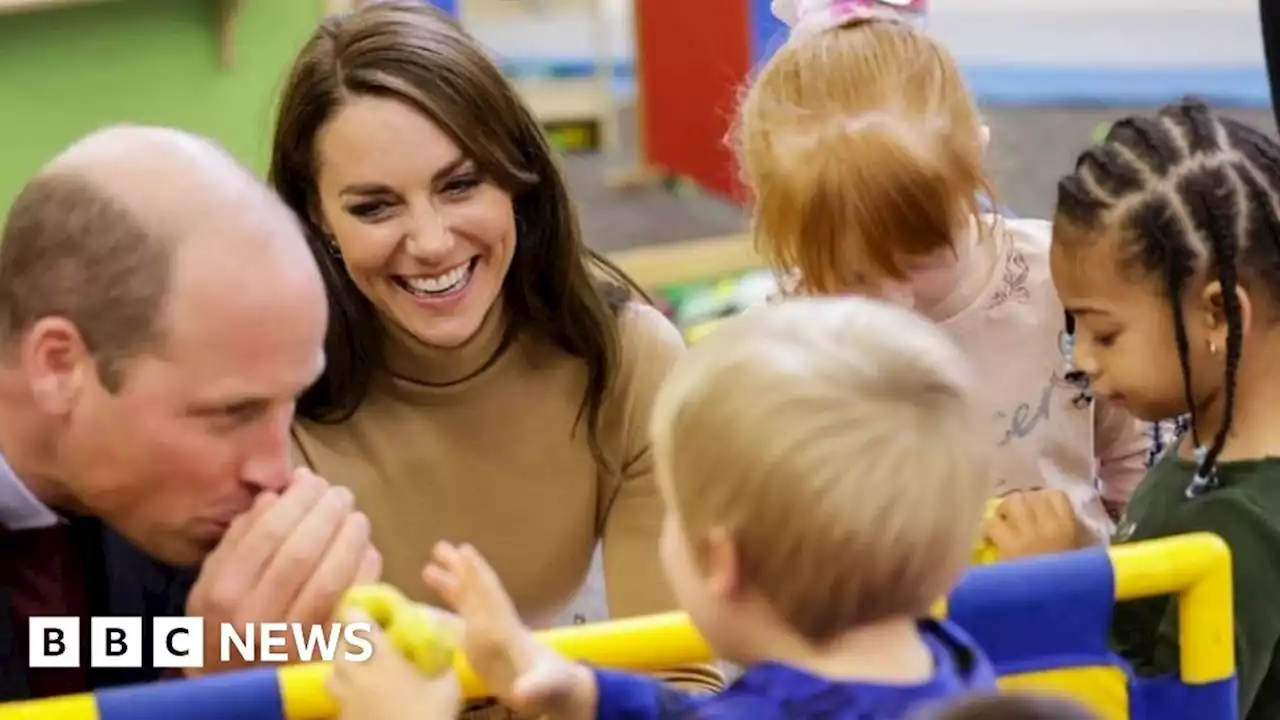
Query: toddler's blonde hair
x=861 y=145
x=839 y=442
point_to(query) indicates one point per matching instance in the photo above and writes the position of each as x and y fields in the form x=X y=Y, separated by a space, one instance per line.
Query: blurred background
x=637 y=94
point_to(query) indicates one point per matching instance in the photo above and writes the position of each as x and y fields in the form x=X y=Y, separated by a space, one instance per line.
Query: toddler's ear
x=984 y=136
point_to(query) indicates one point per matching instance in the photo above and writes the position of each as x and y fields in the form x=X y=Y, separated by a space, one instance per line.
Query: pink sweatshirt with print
x=1045 y=429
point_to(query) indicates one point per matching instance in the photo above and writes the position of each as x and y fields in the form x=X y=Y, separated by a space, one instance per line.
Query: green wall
x=64 y=72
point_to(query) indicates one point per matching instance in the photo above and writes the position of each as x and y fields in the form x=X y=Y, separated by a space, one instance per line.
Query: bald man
x=159 y=313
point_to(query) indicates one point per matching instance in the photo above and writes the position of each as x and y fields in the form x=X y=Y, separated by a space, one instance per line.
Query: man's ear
x=1213 y=311
x=55 y=359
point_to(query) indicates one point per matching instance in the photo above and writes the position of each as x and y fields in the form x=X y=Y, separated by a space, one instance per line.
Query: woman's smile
x=438 y=285
x=442 y=292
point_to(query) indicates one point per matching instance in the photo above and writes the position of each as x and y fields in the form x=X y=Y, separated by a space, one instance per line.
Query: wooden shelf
x=488 y=10
x=331 y=7
x=21 y=6
x=689 y=261
x=566 y=100
x=227 y=13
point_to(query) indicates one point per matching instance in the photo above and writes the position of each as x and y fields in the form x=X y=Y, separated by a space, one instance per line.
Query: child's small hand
x=1032 y=522
x=386 y=686
x=523 y=673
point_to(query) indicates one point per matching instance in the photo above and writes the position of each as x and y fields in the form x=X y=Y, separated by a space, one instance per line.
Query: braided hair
x=1195 y=193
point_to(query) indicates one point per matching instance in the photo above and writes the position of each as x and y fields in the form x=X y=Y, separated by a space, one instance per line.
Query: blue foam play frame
x=1027 y=86
x=449 y=6
x=994 y=85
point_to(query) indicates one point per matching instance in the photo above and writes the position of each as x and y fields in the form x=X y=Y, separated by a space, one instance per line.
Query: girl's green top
x=1244 y=510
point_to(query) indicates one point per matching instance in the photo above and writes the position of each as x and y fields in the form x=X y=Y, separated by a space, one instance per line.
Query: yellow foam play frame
x=1043 y=621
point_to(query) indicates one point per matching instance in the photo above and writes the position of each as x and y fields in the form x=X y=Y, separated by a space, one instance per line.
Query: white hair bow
x=806 y=16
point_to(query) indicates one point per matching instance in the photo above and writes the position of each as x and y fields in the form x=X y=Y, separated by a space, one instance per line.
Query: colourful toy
x=1043 y=622
x=985 y=553
x=420 y=633
x=695 y=333
x=696 y=307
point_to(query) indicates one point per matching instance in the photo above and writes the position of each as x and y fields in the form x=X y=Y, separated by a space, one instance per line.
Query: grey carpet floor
x=1031 y=148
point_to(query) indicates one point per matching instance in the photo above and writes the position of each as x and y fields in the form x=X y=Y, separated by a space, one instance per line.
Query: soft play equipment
x=1043 y=622
x=691 y=60
x=696 y=283
x=696 y=307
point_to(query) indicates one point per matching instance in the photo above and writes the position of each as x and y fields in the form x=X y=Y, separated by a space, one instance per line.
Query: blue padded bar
x=1167 y=697
x=244 y=695
x=449 y=6
x=1010 y=85
x=1021 y=85
x=766 y=32
x=1049 y=612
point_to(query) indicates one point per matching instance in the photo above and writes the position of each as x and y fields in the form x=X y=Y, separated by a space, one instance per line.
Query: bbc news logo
x=178 y=642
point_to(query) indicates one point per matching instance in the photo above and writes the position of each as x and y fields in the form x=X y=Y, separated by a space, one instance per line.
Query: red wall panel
x=693 y=57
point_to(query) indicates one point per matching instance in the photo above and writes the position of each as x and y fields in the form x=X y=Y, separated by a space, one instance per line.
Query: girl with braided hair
x=1166 y=245
x=863 y=149
x=1269 y=12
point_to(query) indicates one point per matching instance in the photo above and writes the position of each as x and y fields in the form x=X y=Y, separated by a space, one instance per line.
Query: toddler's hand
x=387 y=686
x=523 y=673
x=1032 y=522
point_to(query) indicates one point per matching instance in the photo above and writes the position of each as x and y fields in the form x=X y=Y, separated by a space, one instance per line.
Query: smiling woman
x=489 y=378
x=424 y=238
